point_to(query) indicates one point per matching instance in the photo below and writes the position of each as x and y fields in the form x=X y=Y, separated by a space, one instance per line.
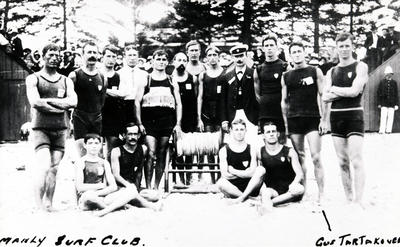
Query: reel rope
x=200 y=143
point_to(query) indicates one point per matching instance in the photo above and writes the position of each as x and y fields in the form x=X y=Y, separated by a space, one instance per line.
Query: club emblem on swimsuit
x=276 y=75
x=349 y=74
x=99 y=87
x=283 y=159
x=245 y=163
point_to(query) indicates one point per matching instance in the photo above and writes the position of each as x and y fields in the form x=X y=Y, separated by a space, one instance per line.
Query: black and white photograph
x=199 y=123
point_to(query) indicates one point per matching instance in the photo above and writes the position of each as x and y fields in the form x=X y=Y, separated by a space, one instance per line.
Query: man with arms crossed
x=237 y=162
x=279 y=174
x=302 y=89
x=50 y=95
x=344 y=87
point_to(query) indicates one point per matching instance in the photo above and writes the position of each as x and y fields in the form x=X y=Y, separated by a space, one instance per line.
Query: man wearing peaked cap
x=238 y=49
x=238 y=98
x=388 y=100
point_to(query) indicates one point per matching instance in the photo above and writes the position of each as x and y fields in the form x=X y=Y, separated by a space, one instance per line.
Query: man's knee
x=356 y=161
x=297 y=190
x=316 y=158
x=152 y=155
x=259 y=172
x=222 y=183
x=343 y=162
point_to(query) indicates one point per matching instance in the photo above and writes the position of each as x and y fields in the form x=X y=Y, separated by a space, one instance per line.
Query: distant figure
x=373 y=57
x=388 y=101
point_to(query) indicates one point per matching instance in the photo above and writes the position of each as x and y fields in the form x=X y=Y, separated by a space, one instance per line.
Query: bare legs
x=45 y=176
x=157 y=153
x=314 y=142
x=349 y=151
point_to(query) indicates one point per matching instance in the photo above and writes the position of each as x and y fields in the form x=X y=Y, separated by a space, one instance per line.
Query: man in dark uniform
x=50 y=95
x=237 y=162
x=302 y=89
x=279 y=174
x=90 y=87
x=238 y=99
x=388 y=101
x=345 y=84
x=267 y=79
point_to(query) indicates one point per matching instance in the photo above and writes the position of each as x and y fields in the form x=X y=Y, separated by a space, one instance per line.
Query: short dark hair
x=91 y=136
x=238 y=121
x=191 y=43
x=89 y=43
x=50 y=47
x=344 y=36
x=111 y=48
x=160 y=52
x=269 y=123
x=130 y=124
x=270 y=36
x=296 y=43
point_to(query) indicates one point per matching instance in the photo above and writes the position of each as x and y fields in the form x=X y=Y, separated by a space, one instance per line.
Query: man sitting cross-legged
x=237 y=162
x=127 y=163
x=279 y=174
x=95 y=183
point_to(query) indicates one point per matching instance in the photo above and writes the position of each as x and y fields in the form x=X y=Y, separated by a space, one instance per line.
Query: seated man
x=237 y=162
x=279 y=175
x=95 y=183
x=127 y=163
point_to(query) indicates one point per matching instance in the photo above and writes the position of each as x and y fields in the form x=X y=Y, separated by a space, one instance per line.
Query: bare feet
x=264 y=208
x=158 y=206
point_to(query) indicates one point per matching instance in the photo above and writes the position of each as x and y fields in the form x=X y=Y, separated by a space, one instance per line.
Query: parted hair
x=50 y=47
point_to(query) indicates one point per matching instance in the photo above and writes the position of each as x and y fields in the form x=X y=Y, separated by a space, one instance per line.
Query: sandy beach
x=206 y=219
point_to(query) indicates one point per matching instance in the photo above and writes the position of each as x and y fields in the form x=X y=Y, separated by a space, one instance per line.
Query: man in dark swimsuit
x=279 y=174
x=188 y=92
x=113 y=110
x=302 y=89
x=237 y=162
x=345 y=84
x=95 y=183
x=90 y=87
x=50 y=95
x=127 y=162
x=267 y=84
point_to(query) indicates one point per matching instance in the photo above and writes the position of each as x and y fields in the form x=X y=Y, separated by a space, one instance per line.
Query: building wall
x=14 y=106
x=371 y=110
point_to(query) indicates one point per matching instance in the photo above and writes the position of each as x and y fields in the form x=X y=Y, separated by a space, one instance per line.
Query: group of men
x=272 y=98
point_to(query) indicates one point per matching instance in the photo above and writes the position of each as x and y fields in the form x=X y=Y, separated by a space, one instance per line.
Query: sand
x=207 y=219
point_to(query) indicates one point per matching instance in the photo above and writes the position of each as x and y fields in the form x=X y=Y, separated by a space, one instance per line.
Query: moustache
x=92 y=59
